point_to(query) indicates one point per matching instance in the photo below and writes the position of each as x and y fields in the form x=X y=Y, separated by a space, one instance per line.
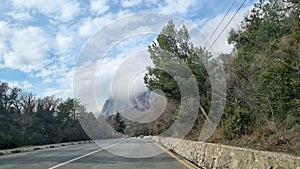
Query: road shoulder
x=179 y=158
x=41 y=147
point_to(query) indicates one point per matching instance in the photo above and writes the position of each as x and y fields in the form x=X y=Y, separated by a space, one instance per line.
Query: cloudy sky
x=42 y=41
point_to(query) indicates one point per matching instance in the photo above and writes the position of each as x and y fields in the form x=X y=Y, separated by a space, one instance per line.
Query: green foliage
x=238 y=124
x=119 y=124
x=264 y=74
x=28 y=120
x=174 y=55
x=144 y=130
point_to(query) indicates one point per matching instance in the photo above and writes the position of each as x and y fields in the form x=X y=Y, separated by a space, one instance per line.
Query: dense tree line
x=264 y=73
x=28 y=120
x=263 y=76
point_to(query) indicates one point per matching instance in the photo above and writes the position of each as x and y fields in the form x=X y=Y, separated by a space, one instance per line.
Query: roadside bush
x=238 y=124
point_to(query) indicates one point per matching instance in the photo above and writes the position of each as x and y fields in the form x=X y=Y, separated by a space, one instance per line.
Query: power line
x=227 y=24
x=220 y=22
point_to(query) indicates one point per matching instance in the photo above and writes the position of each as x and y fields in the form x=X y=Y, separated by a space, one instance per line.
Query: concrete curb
x=189 y=163
x=210 y=156
x=41 y=147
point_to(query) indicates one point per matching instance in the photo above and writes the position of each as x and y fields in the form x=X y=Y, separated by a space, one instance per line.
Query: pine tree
x=119 y=123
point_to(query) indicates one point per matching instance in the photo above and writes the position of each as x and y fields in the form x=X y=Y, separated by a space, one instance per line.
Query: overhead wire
x=228 y=24
x=220 y=22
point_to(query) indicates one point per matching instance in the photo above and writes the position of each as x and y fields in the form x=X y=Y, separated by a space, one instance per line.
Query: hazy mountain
x=140 y=102
x=108 y=108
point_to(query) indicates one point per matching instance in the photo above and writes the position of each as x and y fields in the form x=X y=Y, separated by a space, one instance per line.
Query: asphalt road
x=91 y=156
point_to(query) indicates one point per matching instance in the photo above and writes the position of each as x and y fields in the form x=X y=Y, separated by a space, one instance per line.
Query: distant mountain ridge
x=108 y=108
x=140 y=102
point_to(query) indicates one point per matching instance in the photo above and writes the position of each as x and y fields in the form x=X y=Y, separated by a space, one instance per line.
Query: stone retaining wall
x=215 y=156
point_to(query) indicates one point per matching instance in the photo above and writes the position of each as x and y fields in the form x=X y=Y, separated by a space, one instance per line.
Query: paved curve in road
x=91 y=156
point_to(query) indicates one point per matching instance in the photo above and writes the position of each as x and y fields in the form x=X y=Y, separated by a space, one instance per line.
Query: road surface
x=91 y=156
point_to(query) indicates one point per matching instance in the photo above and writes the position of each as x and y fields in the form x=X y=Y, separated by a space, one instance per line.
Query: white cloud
x=91 y=25
x=60 y=73
x=82 y=84
x=103 y=72
x=24 y=85
x=4 y=35
x=67 y=79
x=63 y=43
x=60 y=93
x=128 y=77
x=57 y=70
x=4 y=30
x=221 y=45
x=154 y=1
x=64 y=10
x=3 y=49
x=176 y=6
x=104 y=76
x=21 y=16
x=69 y=10
x=99 y=6
x=130 y=3
x=28 y=51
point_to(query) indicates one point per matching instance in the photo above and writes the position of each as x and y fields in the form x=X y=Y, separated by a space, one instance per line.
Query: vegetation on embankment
x=263 y=78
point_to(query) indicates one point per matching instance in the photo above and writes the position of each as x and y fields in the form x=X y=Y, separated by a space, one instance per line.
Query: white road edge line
x=77 y=158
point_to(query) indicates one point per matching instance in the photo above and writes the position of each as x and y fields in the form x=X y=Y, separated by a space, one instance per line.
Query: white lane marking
x=77 y=158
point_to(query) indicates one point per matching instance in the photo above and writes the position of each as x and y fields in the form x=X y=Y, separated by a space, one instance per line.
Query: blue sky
x=40 y=41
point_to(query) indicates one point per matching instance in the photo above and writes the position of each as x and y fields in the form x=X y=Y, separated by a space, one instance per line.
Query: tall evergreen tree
x=119 y=123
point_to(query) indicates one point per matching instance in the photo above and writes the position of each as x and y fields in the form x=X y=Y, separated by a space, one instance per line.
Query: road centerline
x=85 y=155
